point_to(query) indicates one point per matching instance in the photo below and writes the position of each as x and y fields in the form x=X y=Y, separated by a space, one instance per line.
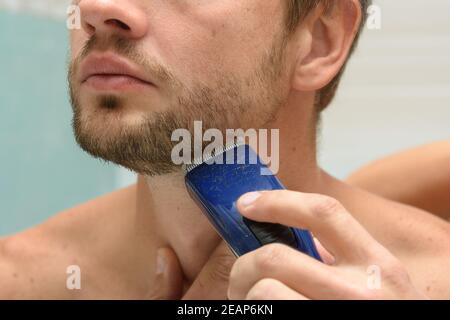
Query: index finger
x=330 y=222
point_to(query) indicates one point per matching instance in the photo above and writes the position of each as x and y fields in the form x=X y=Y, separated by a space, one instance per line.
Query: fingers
x=270 y=289
x=168 y=283
x=296 y=270
x=324 y=254
x=212 y=282
x=330 y=222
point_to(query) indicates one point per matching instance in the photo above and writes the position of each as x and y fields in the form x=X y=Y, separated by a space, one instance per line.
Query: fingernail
x=249 y=198
x=160 y=264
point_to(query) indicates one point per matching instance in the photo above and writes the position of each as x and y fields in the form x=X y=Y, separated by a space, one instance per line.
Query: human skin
x=118 y=238
x=367 y=271
x=419 y=177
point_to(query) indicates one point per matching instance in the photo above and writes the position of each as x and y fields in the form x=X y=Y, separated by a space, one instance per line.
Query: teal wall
x=42 y=170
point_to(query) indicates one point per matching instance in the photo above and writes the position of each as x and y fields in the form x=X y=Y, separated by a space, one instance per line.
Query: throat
x=176 y=222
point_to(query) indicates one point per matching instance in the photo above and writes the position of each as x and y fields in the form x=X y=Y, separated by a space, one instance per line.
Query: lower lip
x=115 y=83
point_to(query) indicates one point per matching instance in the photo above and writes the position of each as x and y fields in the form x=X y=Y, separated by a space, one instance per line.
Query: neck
x=177 y=222
x=298 y=169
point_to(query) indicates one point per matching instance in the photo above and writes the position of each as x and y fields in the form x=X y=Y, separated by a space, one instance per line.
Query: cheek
x=211 y=40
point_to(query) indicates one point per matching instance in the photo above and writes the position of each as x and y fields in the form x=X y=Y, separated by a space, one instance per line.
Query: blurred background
x=395 y=95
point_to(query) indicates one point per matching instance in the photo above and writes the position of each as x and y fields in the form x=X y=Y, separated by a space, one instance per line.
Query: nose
x=106 y=17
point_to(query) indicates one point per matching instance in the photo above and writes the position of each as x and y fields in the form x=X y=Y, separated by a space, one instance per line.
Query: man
x=142 y=69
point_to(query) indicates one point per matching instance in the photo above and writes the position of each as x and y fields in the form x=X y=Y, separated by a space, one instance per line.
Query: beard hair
x=146 y=148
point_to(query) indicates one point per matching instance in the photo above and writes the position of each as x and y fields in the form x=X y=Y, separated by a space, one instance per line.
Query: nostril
x=117 y=23
x=90 y=28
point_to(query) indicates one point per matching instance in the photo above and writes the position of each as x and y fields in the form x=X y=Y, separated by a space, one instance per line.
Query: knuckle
x=222 y=268
x=394 y=273
x=325 y=207
x=393 y=277
x=261 y=290
x=268 y=257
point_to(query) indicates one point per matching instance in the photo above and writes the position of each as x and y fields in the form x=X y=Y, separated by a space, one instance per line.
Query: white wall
x=396 y=92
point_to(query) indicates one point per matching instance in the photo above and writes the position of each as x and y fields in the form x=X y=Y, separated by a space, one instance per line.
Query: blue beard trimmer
x=217 y=183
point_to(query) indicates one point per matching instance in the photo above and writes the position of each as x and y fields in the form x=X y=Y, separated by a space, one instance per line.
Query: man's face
x=141 y=69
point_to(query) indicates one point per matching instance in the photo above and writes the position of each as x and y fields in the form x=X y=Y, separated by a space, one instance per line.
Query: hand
x=279 y=272
x=211 y=283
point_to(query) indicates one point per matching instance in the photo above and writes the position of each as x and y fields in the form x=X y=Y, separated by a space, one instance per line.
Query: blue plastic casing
x=216 y=188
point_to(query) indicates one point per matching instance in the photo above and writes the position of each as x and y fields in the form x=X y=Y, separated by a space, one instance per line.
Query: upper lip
x=110 y=64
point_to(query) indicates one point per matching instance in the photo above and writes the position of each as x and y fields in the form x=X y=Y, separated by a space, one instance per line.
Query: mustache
x=115 y=43
x=127 y=49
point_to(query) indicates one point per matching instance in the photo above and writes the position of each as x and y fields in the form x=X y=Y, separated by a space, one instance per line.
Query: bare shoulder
x=34 y=263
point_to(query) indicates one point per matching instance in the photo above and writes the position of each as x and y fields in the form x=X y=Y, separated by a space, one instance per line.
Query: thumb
x=212 y=281
x=168 y=284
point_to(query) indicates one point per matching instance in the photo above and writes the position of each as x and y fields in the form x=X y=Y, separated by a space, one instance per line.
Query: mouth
x=110 y=72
